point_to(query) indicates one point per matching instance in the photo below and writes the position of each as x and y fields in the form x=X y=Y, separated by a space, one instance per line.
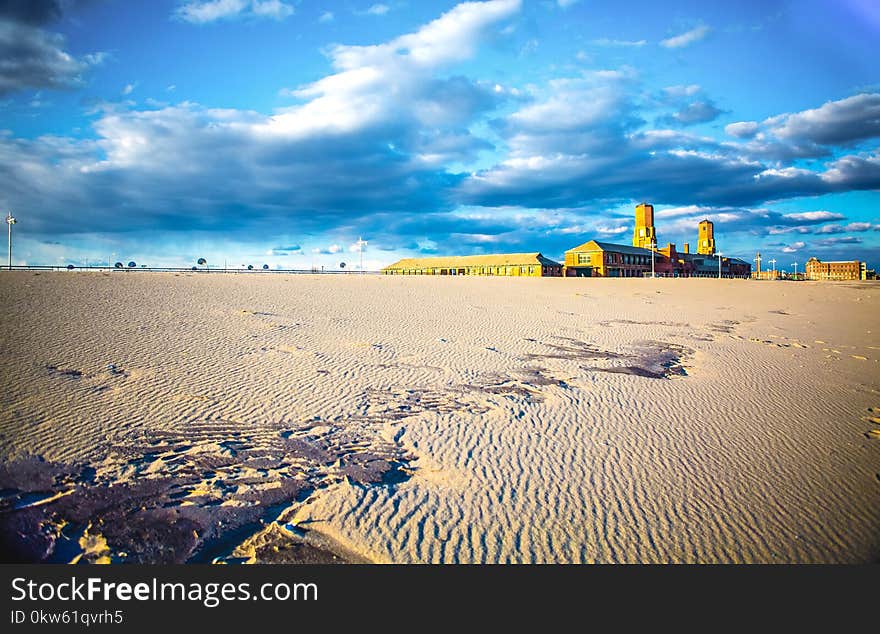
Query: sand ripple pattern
x=527 y=420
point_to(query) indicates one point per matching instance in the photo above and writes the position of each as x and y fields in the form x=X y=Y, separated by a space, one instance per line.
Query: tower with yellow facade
x=706 y=242
x=644 y=236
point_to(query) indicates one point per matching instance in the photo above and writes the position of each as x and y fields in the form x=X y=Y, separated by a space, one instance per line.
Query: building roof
x=453 y=261
x=595 y=245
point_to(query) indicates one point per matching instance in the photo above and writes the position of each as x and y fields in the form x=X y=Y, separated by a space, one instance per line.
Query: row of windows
x=617 y=258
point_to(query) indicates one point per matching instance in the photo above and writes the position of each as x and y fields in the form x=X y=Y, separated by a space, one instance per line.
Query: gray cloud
x=840 y=122
x=31 y=57
x=831 y=242
x=32 y=12
x=695 y=112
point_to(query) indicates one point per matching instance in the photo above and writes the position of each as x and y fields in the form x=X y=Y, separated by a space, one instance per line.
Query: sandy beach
x=166 y=417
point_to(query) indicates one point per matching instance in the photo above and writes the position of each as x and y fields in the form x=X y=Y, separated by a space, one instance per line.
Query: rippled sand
x=264 y=417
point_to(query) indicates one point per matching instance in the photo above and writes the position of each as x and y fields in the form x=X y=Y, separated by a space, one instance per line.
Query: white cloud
x=327 y=16
x=393 y=81
x=683 y=90
x=274 y=9
x=793 y=247
x=330 y=250
x=687 y=38
x=604 y=41
x=204 y=11
x=612 y=231
x=814 y=216
x=378 y=9
x=128 y=89
x=742 y=129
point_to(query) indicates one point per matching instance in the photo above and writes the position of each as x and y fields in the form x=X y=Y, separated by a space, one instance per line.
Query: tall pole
x=795 y=270
x=653 y=246
x=361 y=243
x=9 y=222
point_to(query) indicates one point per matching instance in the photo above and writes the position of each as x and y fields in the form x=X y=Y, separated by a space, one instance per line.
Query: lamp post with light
x=9 y=222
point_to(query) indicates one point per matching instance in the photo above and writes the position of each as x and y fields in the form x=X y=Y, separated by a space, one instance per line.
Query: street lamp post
x=653 y=246
x=773 y=262
x=719 y=264
x=10 y=221
x=795 y=271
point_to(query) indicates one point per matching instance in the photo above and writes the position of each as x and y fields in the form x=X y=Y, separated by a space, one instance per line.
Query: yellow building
x=603 y=259
x=644 y=235
x=508 y=264
x=846 y=270
x=706 y=238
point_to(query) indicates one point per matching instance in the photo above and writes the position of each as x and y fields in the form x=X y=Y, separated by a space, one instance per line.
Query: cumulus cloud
x=327 y=16
x=33 y=57
x=373 y=136
x=582 y=139
x=205 y=11
x=742 y=129
x=815 y=132
x=793 y=247
x=687 y=38
x=834 y=123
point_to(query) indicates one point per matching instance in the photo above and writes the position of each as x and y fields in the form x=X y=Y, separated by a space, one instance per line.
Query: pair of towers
x=645 y=236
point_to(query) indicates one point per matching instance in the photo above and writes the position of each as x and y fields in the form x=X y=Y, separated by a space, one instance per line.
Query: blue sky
x=279 y=131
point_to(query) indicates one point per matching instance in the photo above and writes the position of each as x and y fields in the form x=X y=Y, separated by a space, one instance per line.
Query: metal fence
x=200 y=270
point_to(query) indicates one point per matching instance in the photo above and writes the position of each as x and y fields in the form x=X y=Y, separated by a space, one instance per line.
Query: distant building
x=706 y=238
x=644 y=234
x=604 y=259
x=507 y=264
x=845 y=270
